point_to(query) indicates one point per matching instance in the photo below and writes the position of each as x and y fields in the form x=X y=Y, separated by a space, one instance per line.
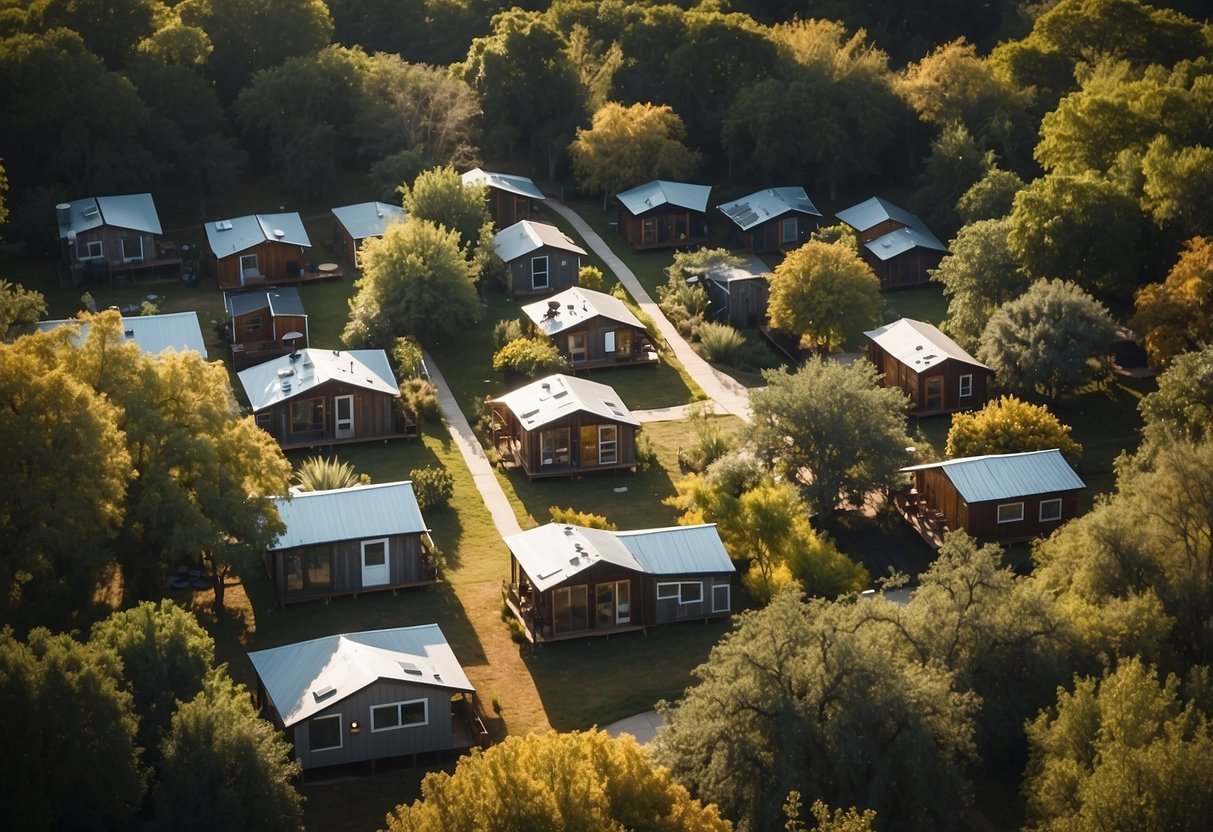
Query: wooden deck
x=521 y=609
x=409 y=433
x=930 y=524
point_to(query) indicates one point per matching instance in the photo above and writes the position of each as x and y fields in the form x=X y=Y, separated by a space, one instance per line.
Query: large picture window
x=307 y=415
x=687 y=592
x=308 y=570
x=1010 y=512
x=539 y=272
x=324 y=733
x=399 y=715
x=1050 y=510
x=570 y=608
x=554 y=446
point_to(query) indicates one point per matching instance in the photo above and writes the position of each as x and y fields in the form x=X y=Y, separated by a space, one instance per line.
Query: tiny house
x=593 y=329
x=355 y=224
x=258 y=250
x=114 y=237
x=773 y=220
x=929 y=367
x=897 y=245
x=510 y=196
x=539 y=258
x=662 y=214
x=265 y=325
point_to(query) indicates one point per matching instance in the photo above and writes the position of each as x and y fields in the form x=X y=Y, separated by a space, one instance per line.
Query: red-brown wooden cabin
x=929 y=367
x=662 y=214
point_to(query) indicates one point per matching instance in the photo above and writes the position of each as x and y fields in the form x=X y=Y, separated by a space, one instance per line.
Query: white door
x=374 y=562
x=344 y=408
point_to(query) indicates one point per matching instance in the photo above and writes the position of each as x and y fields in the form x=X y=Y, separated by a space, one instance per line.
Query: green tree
x=824 y=293
x=1177 y=315
x=73 y=762
x=415 y=281
x=110 y=30
x=1118 y=753
x=591 y=277
x=979 y=274
x=530 y=357
x=1008 y=426
x=439 y=196
x=224 y=767
x=573 y=517
x=1048 y=340
x=955 y=164
x=1182 y=406
x=166 y=657
x=831 y=428
x=580 y=780
x=318 y=473
x=625 y=146
x=18 y=305
x=991 y=197
x=433 y=485
x=1177 y=191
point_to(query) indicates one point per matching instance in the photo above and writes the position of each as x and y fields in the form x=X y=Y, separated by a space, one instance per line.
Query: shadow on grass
x=637 y=506
x=885 y=544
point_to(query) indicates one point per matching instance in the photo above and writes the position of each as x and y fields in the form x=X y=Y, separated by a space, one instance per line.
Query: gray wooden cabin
x=538 y=257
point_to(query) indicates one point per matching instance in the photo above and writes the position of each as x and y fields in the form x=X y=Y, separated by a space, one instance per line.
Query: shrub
x=646 y=454
x=720 y=342
x=407 y=354
x=573 y=517
x=419 y=399
x=505 y=332
x=433 y=486
x=530 y=356
x=317 y=473
x=709 y=442
x=680 y=300
x=590 y=277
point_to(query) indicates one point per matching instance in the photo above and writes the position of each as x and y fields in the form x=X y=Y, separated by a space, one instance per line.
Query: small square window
x=1050 y=510
x=324 y=733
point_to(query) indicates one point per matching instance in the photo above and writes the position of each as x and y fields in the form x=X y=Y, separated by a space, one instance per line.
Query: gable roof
x=575 y=306
x=874 y=211
x=761 y=206
x=919 y=345
x=302 y=372
x=367 y=219
x=281 y=301
x=360 y=512
x=509 y=182
x=660 y=192
x=556 y=396
x=136 y=212
x=525 y=236
x=228 y=237
x=152 y=333
x=307 y=677
x=901 y=240
x=979 y=479
x=555 y=552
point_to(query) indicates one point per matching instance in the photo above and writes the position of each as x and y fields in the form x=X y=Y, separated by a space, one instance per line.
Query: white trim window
x=132 y=249
x=90 y=250
x=248 y=265
x=320 y=730
x=396 y=715
x=788 y=230
x=721 y=597
x=966 y=386
x=608 y=444
x=686 y=592
x=539 y=272
x=1010 y=512
x=608 y=341
x=1050 y=510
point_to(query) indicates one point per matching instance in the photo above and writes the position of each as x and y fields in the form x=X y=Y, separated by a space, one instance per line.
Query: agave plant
x=320 y=474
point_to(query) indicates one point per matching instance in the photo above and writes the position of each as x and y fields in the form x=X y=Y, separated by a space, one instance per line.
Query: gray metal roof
x=761 y=206
x=888 y=246
x=575 y=306
x=553 y=553
x=307 y=677
x=368 y=219
x=556 y=396
x=980 y=479
x=282 y=301
x=873 y=212
x=357 y=513
x=152 y=333
x=919 y=345
x=228 y=237
x=660 y=192
x=136 y=212
x=525 y=236
x=509 y=182
x=302 y=372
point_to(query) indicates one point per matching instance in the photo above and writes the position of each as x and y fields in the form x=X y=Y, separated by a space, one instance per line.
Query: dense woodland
x=1065 y=151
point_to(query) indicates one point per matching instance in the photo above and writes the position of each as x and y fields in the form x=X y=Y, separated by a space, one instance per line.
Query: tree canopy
x=978 y=274
x=1008 y=425
x=824 y=293
x=1177 y=315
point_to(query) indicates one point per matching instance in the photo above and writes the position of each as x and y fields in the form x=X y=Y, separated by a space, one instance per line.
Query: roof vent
x=91 y=211
x=130 y=333
x=286 y=385
x=410 y=668
x=223 y=225
x=286 y=372
x=279 y=233
x=323 y=693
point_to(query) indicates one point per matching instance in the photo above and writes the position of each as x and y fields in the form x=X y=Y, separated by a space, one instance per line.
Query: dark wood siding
x=408 y=566
x=905 y=270
x=671 y=228
x=376 y=416
x=914 y=384
x=159 y=257
x=768 y=236
x=529 y=449
x=981 y=519
x=508 y=208
x=277 y=262
x=344 y=244
x=595 y=331
x=564 y=269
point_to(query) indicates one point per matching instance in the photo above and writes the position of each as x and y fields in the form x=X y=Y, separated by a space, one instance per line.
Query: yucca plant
x=720 y=342
x=320 y=474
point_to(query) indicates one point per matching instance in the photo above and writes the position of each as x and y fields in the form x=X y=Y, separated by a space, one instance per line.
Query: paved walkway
x=672 y=414
x=728 y=394
x=642 y=726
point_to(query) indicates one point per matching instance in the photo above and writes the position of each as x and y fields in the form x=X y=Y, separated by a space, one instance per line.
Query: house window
x=612 y=603
x=554 y=446
x=608 y=444
x=1050 y=510
x=788 y=231
x=690 y=592
x=399 y=715
x=324 y=733
x=966 y=386
x=720 y=598
x=265 y=420
x=577 y=346
x=90 y=250
x=307 y=414
x=248 y=265
x=681 y=224
x=934 y=393
x=307 y=570
x=648 y=231
x=1010 y=512
x=254 y=324
x=570 y=608
x=539 y=272
x=132 y=249
x=608 y=341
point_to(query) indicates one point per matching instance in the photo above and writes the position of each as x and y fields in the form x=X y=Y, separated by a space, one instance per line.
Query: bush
x=531 y=357
x=590 y=277
x=646 y=454
x=317 y=473
x=407 y=354
x=433 y=487
x=573 y=517
x=709 y=443
x=680 y=300
x=419 y=399
x=720 y=342
x=505 y=332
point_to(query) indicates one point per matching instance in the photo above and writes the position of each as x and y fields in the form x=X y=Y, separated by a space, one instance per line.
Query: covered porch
x=530 y=609
x=930 y=524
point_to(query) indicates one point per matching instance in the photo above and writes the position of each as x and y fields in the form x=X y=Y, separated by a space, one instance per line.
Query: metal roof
x=368 y=219
x=302 y=372
x=305 y=678
x=134 y=211
x=888 y=246
x=228 y=237
x=556 y=396
x=356 y=513
x=575 y=306
x=525 y=236
x=873 y=212
x=659 y=192
x=919 y=345
x=553 y=553
x=980 y=479
x=152 y=333
x=520 y=185
x=282 y=301
x=762 y=206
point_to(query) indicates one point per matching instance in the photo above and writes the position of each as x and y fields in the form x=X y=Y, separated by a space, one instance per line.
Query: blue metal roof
x=152 y=333
x=678 y=550
x=368 y=219
x=281 y=301
x=980 y=479
x=659 y=192
x=292 y=375
x=228 y=237
x=873 y=212
x=576 y=306
x=888 y=246
x=509 y=182
x=761 y=206
x=136 y=212
x=356 y=513
x=525 y=236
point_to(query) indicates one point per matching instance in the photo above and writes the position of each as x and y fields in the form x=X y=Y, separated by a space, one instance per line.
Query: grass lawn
x=362 y=801
x=923 y=303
